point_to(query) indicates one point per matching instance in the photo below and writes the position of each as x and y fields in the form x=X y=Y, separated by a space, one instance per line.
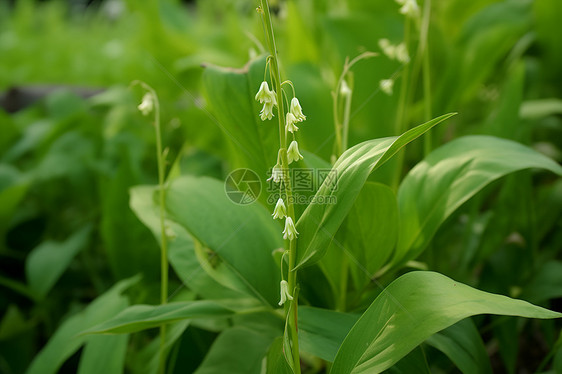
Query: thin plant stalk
x=161 y=160
x=290 y=305
x=341 y=127
x=399 y=125
x=424 y=47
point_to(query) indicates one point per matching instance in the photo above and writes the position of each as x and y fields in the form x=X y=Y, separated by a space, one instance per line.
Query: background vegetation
x=73 y=144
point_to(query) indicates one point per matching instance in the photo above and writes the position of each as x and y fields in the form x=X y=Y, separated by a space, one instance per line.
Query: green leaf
x=319 y=222
x=68 y=338
x=141 y=317
x=462 y=343
x=276 y=363
x=411 y=309
x=243 y=236
x=237 y=351
x=231 y=93
x=147 y=360
x=546 y=283
x=450 y=176
x=48 y=261
x=181 y=248
x=372 y=228
x=104 y=354
x=321 y=331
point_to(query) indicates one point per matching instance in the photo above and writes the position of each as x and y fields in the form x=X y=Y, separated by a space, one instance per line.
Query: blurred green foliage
x=71 y=155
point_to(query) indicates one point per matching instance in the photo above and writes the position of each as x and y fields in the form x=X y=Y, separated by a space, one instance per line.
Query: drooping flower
x=386 y=86
x=293 y=153
x=345 y=91
x=296 y=110
x=290 y=231
x=279 y=211
x=265 y=95
x=285 y=295
x=388 y=49
x=267 y=111
x=410 y=8
x=402 y=53
x=291 y=120
x=147 y=104
x=276 y=174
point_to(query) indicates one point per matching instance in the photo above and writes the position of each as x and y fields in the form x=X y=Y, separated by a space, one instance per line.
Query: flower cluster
x=268 y=98
x=295 y=115
x=409 y=8
x=285 y=156
x=395 y=52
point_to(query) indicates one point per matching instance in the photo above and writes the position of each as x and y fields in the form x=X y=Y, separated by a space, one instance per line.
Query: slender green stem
x=163 y=237
x=346 y=115
x=291 y=244
x=400 y=114
x=160 y=157
x=424 y=46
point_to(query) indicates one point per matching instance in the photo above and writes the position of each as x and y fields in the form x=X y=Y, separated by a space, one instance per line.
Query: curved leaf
x=450 y=176
x=67 y=339
x=319 y=222
x=411 y=309
x=141 y=317
x=243 y=236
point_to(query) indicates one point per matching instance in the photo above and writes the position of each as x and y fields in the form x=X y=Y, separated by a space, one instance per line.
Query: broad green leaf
x=231 y=93
x=141 y=317
x=48 y=261
x=413 y=362
x=319 y=222
x=181 y=249
x=147 y=360
x=127 y=244
x=68 y=338
x=236 y=350
x=450 y=176
x=411 y=309
x=321 y=331
x=462 y=343
x=104 y=354
x=243 y=236
x=13 y=187
x=372 y=228
x=276 y=363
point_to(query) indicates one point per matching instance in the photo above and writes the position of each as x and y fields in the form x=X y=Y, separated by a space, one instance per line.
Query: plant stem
x=400 y=114
x=292 y=274
x=424 y=47
x=163 y=238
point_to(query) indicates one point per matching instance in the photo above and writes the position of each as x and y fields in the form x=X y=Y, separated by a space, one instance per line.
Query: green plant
x=471 y=203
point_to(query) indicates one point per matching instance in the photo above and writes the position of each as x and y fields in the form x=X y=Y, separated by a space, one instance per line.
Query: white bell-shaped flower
x=267 y=111
x=291 y=120
x=293 y=153
x=402 y=53
x=279 y=211
x=276 y=174
x=410 y=9
x=147 y=104
x=296 y=110
x=285 y=295
x=290 y=231
x=265 y=95
x=386 y=86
